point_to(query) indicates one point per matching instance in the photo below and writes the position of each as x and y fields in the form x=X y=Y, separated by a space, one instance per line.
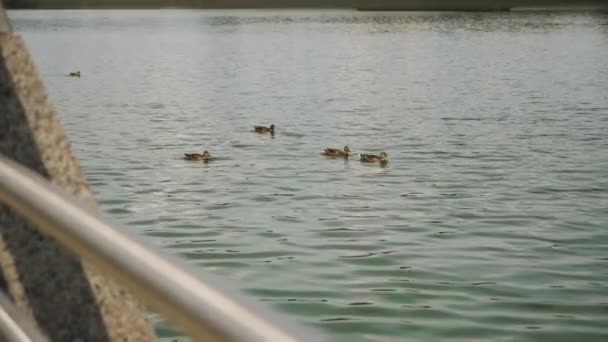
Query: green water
x=489 y=222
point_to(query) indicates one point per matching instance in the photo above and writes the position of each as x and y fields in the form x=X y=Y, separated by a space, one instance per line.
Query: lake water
x=489 y=223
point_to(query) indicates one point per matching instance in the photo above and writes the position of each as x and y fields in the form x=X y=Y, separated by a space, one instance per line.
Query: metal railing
x=196 y=302
x=15 y=325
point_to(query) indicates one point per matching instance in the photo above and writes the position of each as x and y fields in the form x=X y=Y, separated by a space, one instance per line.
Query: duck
x=74 y=74
x=336 y=152
x=205 y=157
x=381 y=158
x=264 y=129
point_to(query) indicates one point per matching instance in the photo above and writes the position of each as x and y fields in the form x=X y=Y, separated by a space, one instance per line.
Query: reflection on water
x=487 y=224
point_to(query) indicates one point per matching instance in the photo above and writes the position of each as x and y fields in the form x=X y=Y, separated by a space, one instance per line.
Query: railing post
x=69 y=299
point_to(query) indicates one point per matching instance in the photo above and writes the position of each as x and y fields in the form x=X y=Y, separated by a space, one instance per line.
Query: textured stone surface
x=69 y=299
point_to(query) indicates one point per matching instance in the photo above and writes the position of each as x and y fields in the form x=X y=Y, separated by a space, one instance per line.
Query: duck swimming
x=336 y=152
x=374 y=158
x=205 y=157
x=74 y=74
x=264 y=129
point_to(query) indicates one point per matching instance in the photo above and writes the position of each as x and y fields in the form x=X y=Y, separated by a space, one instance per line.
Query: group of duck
x=329 y=152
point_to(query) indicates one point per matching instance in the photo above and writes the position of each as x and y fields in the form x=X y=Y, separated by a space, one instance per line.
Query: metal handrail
x=15 y=325
x=195 y=301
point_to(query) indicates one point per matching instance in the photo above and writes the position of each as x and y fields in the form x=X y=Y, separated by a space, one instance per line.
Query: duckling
x=74 y=74
x=374 y=158
x=336 y=152
x=205 y=157
x=264 y=129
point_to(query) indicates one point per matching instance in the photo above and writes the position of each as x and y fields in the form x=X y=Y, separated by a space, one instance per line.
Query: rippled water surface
x=489 y=223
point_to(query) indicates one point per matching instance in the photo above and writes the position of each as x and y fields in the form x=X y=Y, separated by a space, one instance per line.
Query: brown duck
x=381 y=158
x=336 y=152
x=205 y=157
x=74 y=74
x=264 y=129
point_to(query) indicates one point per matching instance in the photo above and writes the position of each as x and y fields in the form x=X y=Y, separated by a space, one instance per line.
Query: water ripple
x=488 y=223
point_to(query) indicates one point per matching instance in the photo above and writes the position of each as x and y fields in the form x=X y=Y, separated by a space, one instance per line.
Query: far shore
x=360 y=5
